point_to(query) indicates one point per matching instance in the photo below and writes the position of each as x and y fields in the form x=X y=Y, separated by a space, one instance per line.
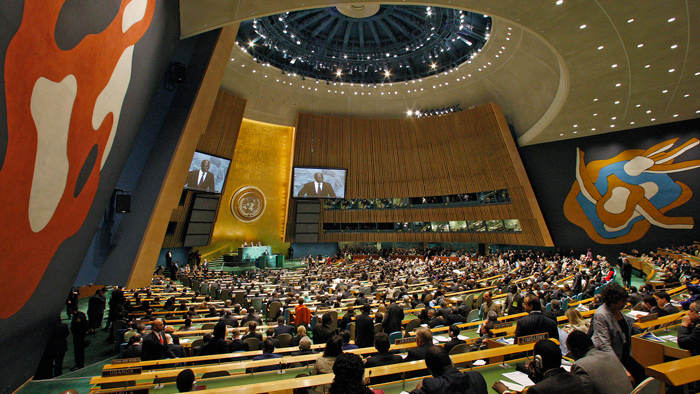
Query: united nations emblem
x=248 y=204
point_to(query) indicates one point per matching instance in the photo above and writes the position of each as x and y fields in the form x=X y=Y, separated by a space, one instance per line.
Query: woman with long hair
x=576 y=321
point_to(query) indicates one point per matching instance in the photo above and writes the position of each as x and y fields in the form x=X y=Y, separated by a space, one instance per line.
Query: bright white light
x=409 y=112
x=672 y=19
x=559 y=2
x=614 y=65
x=600 y=47
x=630 y=20
x=582 y=27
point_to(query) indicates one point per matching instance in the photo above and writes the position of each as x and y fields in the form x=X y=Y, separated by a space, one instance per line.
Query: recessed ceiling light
x=575 y=125
x=614 y=65
x=672 y=19
x=631 y=122
x=593 y=129
x=630 y=20
x=675 y=115
x=612 y=125
x=664 y=91
x=595 y=114
x=618 y=85
x=653 y=119
x=600 y=47
x=649 y=111
x=638 y=105
x=595 y=99
x=559 y=2
x=647 y=66
x=561 y=134
x=674 y=46
x=617 y=102
x=640 y=45
x=687 y=95
x=698 y=73
x=614 y=117
x=672 y=70
x=575 y=132
x=582 y=27
x=697 y=112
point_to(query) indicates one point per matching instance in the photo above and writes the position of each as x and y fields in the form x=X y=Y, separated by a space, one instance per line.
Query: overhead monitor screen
x=207 y=173
x=319 y=182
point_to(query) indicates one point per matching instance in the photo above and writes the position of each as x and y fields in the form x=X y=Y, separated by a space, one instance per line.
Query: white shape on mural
x=111 y=98
x=51 y=106
x=133 y=13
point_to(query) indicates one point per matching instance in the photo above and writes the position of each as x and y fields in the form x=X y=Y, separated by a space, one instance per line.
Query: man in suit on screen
x=317 y=188
x=202 y=178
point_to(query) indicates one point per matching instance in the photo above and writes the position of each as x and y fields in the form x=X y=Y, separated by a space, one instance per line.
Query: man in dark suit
x=282 y=328
x=434 y=320
x=514 y=301
x=229 y=319
x=364 y=328
x=251 y=316
x=201 y=179
x=446 y=378
x=155 y=345
x=252 y=327
x=79 y=327
x=318 y=188
x=689 y=331
x=385 y=357
x=454 y=339
x=322 y=331
x=237 y=344
x=601 y=371
x=535 y=322
x=424 y=341
x=549 y=376
x=134 y=350
x=393 y=318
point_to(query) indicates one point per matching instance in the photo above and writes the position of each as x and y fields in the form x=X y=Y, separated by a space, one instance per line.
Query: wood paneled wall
x=468 y=151
x=219 y=139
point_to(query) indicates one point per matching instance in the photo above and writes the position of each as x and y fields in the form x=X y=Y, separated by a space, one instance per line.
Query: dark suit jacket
x=254 y=335
x=418 y=353
x=284 y=329
x=207 y=183
x=364 y=330
x=321 y=333
x=380 y=360
x=309 y=190
x=152 y=349
x=392 y=319
x=132 y=351
x=452 y=343
x=559 y=381
x=454 y=382
x=536 y=323
x=689 y=339
x=238 y=345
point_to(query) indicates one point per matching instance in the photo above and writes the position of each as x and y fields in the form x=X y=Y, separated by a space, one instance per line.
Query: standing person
x=626 y=272
x=79 y=327
x=201 y=179
x=321 y=331
x=317 y=188
x=514 y=301
x=168 y=258
x=393 y=318
x=612 y=332
x=364 y=328
x=535 y=322
x=155 y=346
x=72 y=301
x=51 y=364
x=96 y=310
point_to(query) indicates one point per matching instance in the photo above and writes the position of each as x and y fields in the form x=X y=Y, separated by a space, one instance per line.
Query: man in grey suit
x=601 y=372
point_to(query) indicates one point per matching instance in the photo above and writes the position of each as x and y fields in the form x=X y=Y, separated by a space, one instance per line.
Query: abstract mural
x=617 y=200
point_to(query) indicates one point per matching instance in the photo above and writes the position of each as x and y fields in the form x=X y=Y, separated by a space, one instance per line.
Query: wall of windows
x=472 y=226
x=464 y=199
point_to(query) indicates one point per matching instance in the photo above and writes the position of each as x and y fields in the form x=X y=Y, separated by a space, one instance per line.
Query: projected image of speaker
x=123 y=203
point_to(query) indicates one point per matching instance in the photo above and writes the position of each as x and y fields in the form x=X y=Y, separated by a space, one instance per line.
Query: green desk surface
x=668 y=331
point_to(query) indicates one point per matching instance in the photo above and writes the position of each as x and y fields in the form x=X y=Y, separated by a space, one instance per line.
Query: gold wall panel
x=262 y=159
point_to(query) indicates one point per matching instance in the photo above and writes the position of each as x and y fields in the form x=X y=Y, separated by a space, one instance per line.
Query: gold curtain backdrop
x=262 y=159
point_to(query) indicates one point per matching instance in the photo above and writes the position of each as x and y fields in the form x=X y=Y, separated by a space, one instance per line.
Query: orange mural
x=61 y=105
x=618 y=200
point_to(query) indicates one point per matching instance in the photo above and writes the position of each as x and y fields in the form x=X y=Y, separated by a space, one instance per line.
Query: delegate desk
x=269 y=381
x=253 y=252
x=649 y=352
x=676 y=373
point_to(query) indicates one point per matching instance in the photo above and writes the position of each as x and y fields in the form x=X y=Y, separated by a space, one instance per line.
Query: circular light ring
x=404 y=40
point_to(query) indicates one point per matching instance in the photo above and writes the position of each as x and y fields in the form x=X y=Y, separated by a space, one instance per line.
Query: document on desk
x=519 y=378
x=441 y=338
x=512 y=386
x=670 y=338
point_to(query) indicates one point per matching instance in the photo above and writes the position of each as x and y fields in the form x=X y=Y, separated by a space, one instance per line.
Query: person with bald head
x=201 y=179
x=155 y=344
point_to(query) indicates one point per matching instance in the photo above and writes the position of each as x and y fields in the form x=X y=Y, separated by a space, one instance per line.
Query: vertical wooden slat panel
x=464 y=152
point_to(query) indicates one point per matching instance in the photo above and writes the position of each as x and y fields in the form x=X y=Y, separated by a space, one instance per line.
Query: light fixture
x=582 y=27
x=559 y=2
x=672 y=19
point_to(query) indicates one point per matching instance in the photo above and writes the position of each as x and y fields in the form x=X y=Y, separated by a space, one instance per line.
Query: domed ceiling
x=559 y=69
x=363 y=44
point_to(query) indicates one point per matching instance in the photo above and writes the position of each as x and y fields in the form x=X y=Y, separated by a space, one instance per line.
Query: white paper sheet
x=512 y=386
x=519 y=378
